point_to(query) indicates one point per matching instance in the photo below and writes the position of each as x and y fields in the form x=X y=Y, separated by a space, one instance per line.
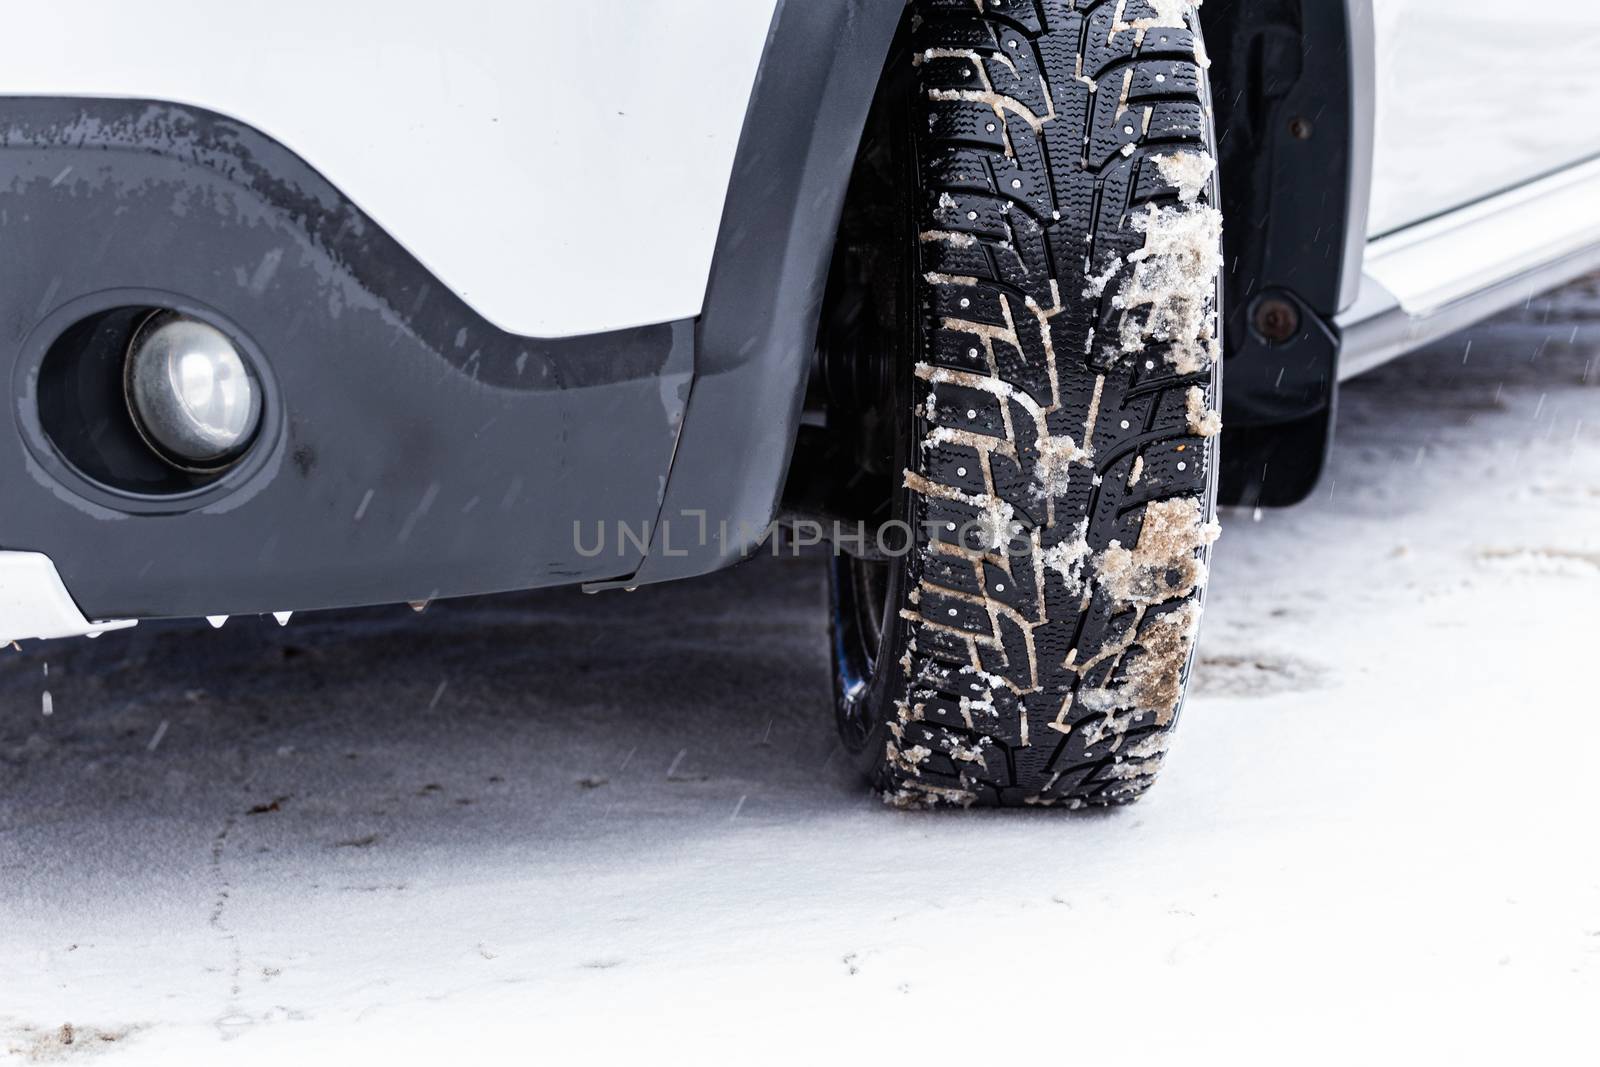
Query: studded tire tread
x=1066 y=392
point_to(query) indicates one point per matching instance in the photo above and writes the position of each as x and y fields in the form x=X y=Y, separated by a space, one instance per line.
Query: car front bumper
x=413 y=449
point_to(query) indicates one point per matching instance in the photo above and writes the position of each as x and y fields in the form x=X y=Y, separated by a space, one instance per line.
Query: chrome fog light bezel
x=175 y=426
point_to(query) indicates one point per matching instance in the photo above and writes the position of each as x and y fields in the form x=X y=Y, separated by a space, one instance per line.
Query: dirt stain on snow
x=266 y=808
x=1256 y=674
x=68 y=1041
x=1553 y=562
x=364 y=841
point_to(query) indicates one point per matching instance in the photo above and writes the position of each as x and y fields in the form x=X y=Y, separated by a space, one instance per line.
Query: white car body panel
x=562 y=167
x=34 y=603
x=1475 y=97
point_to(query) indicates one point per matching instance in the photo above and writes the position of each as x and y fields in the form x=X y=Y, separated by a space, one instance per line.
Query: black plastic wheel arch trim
x=756 y=338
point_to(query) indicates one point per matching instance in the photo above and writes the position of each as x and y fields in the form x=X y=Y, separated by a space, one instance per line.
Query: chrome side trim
x=34 y=603
x=1430 y=280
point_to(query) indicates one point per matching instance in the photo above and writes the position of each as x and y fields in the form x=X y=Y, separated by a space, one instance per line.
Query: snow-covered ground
x=581 y=828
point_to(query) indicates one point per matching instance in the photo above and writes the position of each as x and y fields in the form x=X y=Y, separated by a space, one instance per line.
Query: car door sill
x=1430 y=280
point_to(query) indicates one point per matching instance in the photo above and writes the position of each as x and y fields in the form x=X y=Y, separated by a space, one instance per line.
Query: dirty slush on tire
x=1065 y=383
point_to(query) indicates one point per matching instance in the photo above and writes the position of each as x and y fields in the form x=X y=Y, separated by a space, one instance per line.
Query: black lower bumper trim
x=421 y=451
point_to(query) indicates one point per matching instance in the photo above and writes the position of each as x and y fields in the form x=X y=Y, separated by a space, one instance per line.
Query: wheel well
x=863 y=320
x=1294 y=143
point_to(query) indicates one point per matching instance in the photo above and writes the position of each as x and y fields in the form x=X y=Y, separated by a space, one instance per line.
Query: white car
x=376 y=302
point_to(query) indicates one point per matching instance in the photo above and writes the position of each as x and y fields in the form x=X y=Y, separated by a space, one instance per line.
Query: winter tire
x=1055 y=413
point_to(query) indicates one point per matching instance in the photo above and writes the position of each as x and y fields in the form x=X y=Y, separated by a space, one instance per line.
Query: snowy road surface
x=578 y=828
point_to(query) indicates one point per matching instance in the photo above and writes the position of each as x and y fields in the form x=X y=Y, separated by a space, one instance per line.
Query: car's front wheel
x=1051 y=413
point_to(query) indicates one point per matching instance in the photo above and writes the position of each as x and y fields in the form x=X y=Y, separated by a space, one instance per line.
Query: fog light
x=192 y=395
